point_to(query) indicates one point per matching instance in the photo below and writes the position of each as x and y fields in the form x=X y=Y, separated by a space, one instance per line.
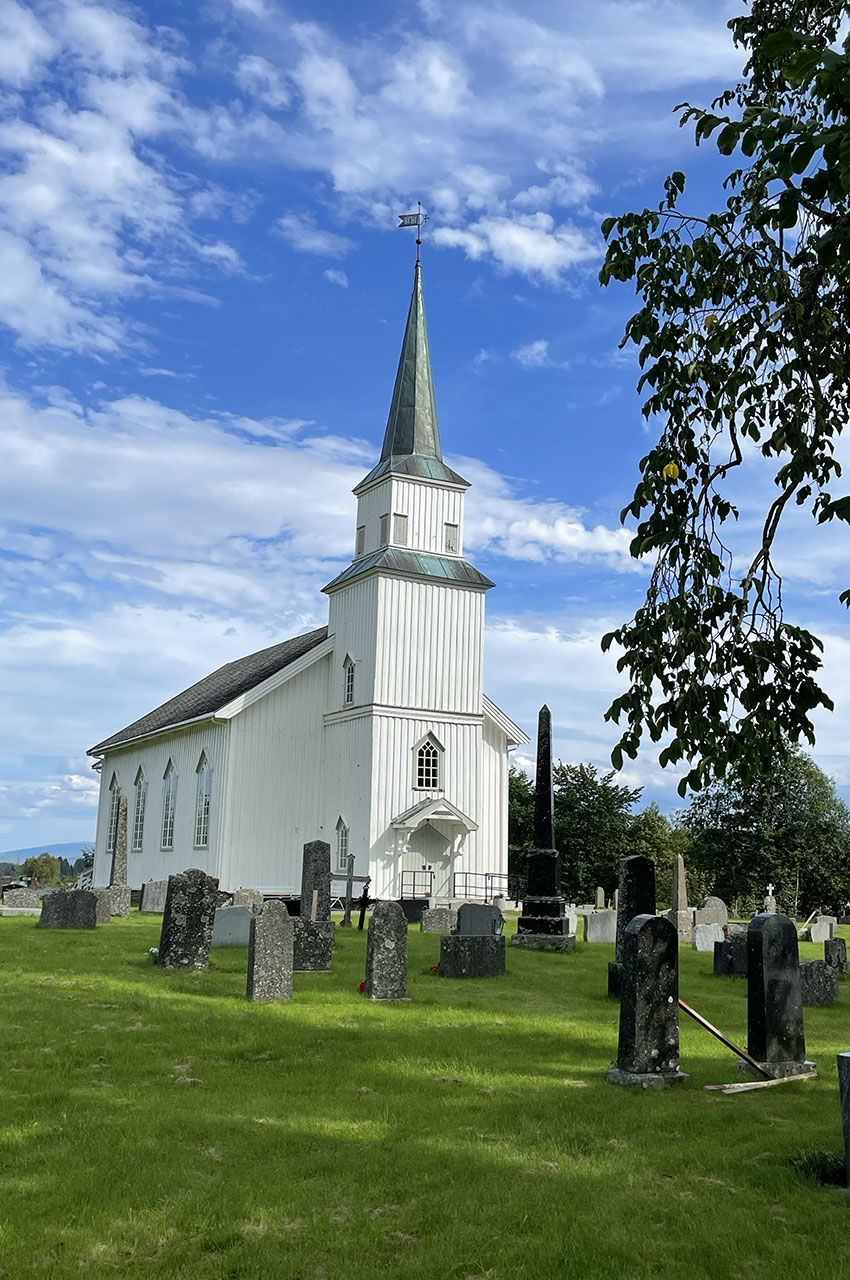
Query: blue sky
x=201 y=306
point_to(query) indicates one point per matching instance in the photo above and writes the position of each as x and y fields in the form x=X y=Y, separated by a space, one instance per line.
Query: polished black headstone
x=636 y=897
x=835 y=953
x=775 y=1035
x=649 y=1010
x=844 y=1091
x=730 y=957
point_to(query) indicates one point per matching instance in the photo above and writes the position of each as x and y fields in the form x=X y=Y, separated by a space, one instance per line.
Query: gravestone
x=103 y=897
x=636 y=897
x=730 y=956
x=680 y=915
x=20 y=911
x=600 y=899
x=543 y=925
x=438 y=920
x=316 y=875
x=76 y=909
x=822 y=929
x=314 y=944
x=271 y=956
x=479 y=919
x=118 y=874
x=153 y=897
x=386 y=953
x=769 y=906
x=844 y=1094
x=232 y=927
x=712 y=911
x=818 y=983
x=251 y=898
x=600 y=926
x=648 y=1045
x=21 y=898
x=835 y=954
x=462 y=956
x=775 y=1035
x=187 y=922
x=705 y=936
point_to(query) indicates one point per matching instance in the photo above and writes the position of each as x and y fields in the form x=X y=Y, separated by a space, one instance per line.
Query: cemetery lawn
x=157 y=1124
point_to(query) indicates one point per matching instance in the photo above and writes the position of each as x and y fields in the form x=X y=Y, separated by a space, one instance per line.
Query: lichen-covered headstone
x=818 y=982
x=187 y=922
x=636 y=898
x=472 y=956
x=314 y=944
x=775 y=1035
x=21 y=898
x=270 y=952
x=438 y=920
x=76 y=909
x=153 y=897
x=250 y=898
x=316 y=875
x=648 y=1047
x=119 y=856
x=835 y=954
x=386 y=953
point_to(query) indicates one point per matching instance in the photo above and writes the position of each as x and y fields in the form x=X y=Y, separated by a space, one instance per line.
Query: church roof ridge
x=215 y=690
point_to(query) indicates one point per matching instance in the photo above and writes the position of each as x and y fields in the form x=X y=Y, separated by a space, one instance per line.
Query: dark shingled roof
x=412 y=564
x=216 y=690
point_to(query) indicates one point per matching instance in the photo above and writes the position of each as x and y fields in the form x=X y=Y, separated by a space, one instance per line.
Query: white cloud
x=534 y=355
x=301 y=232
x=531 y=244
x=336 y=277
x=25 y=45
x=259 y=78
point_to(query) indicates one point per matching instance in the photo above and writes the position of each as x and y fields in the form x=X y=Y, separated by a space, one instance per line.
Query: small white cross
x=770 y=888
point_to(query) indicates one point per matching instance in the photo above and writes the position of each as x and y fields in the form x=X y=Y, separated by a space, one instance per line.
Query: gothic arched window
x=341 y=845
x=112 y=824
x=428 y=762
x=169 y=804
x=202 y=808
x=141 y=789
x=348 y=682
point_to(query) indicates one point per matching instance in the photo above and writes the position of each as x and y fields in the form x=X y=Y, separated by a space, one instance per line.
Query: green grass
x=157 y=1124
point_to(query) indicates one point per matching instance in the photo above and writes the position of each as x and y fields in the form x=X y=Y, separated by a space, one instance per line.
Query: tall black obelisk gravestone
x=544 y=925
x=636 y=897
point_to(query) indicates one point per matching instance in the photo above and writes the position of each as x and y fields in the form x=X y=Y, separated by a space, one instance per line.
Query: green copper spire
x=412 y=424
x=412 y=438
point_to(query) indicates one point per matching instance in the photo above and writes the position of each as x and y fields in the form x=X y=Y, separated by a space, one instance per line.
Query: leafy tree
x=520 y=819
x=592 y=824
x=744 y=341
x=787 y=827
x=44 y=870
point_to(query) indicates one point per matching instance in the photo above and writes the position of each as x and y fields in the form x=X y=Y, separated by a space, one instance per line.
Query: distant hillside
x=69 y=851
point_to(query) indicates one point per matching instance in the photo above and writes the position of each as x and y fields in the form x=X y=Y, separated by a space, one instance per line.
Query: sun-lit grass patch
x=156 y=1124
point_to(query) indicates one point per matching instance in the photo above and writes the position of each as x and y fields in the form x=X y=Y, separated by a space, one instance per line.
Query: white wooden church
x=372 y=733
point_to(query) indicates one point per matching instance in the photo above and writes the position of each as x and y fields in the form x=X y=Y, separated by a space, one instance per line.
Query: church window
x=360 y=541
x=169 y=804
x=341 y=845
x=348 y=682
x=202 y=808
x=450 y=538
x=384 y=530
x=112 y=824
x=428 y=766
x=141 y=789
x=400 y=530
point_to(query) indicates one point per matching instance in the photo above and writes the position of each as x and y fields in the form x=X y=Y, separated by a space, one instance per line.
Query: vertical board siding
x=183 y=748
x=493 y=836
x=428 y=508
x=429 y=646
x=353 y=621
x=347 y=787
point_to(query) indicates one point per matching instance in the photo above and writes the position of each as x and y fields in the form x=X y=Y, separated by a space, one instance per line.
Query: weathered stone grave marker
x=730 y=956
x=712 y=911
x=250 y=898
x=600 y=899
x=232 y=927
x=187 y=922
x=314 y=933
x=648 y=1046
x=465 y=956
x=705 y=936
x=818 y=983
x=76 y=909
x=153 y=897
x=438 y=920
x=775 y=1035
x=479 y=919
x=386 y=953
x=270 y=952
x=21 y=898
x=600 y=926
x=636 y=898
x=835 y=954
x=680 y=916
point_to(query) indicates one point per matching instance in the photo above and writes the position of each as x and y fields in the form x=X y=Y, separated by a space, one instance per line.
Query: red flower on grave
x=435 y=968
x=362 y=988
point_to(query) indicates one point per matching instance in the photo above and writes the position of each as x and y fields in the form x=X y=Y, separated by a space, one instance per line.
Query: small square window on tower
x=400 y=530
x=450 y=539
x=360 y=541
x=384 y=530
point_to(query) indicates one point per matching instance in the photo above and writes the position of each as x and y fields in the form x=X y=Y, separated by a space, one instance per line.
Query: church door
x=429 y=852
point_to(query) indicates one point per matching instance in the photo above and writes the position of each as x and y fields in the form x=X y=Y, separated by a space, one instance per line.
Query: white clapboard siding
x=428 y=507
x=493 y=834
x=347 y=789
x=353 y=622
x=183 y=748
x=429 y=651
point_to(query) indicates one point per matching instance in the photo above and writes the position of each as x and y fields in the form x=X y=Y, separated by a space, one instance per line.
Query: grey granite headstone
x=648 y=1047
x=187 y=922
x=818 y=982
x=316 y=875
x=705 y=936
x=386 y=953
x=636 y=897
x=600 y=926
x=76 y=909
x=844 y=1094
x=19 y=911
x=112 y=900
x=712 y=911
x=103 y=897
x=21 y=898
x=153 y=897
x=835 y=954
x=119 y=856
x=251 y=898
x=823 y=928
x=775 y=1035
x=478 y=919
x=730 y=956
x=270 y=952
x=600 y=898
x=680 y=915
x=438 y=920
x=232 y=927
x=314 y=944
x=472 y=957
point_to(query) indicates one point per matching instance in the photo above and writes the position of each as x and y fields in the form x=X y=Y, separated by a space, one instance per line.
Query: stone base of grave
x=615 y=979
x=779 y=1070
x=20 y=911
x=644 y=1080
x=544 y=941
x=313 y=947
x=472 y=956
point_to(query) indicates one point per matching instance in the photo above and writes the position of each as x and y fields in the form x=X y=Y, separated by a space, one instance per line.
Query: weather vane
x=416 y=220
